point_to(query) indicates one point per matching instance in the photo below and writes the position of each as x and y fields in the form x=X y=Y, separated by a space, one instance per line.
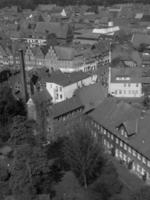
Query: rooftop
x=66 y=106
x=65 y=79
x=111 y=113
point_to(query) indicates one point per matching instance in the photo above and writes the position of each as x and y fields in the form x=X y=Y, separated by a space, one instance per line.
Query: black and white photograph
x=74 y=99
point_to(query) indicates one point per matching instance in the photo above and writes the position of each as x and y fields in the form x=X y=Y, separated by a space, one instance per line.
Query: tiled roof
x=66 y=106
x=141 y=140
x=133 y=73
x=112 y=114
x=65 y=79
x=91 y=96
x=57 y=28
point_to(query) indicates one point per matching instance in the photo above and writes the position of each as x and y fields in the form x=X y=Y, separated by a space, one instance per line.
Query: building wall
x=120 y=148
x=70 y=89
x=60 y=93
x=56 y=91
x=125 y=89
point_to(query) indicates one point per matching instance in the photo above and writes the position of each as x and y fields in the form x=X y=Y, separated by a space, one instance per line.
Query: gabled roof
x=131 y=126
x=65 y=79
x=91 y=96
x=111 y=114
x=133 y=73
x=64 y=107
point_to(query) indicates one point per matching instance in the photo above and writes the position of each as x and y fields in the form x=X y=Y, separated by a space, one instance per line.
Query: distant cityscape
x=75 y=100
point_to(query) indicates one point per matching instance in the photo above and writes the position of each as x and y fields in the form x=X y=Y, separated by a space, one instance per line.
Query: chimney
x=23 y=76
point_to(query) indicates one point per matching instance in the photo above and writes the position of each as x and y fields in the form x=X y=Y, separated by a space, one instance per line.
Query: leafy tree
x=9 y=106
x=4 y=174
x=83 y=155
x=4 y=75
x=108 y=183
x=31 y=172
x=146 y=102
x=51 y=39
x=21 y=132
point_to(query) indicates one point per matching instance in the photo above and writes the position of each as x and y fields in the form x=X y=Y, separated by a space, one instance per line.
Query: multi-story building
x=34 y=58
x=124 y=133
x=62 y=86
x=70 y=59
x=125 y=82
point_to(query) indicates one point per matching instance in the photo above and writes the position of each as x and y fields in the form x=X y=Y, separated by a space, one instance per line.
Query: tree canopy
x=83 y=155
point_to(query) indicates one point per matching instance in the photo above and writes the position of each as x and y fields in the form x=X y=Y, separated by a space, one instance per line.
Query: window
x=56 y=96
x=137 y=84
x=117 y=141
x=108 y=134
x=120 y=92
x=112 y=137
x=148 y=163
x=108 y=144
x=125 y=147
x=129 y=149
x=138 y=168
x=121 y=144
x=104 y=142
x=60 y=88
x=142 y=171
x=134 y=153
x=144 y=160
x=122 y=132
x=129 y=84
x=104 y=131
x=60 y=96
x=124 y=84
x=139 y=156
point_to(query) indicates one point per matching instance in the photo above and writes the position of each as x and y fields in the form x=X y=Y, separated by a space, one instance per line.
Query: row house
x=124 y=133
x=125 y=82
x=62 y=86
x=70 y=59
x=34 y=58
x=6 y=56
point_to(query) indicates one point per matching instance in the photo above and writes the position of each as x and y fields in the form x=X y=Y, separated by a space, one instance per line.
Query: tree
x=21 y=132
x=83 y=155
x=9 y=106
x=108 y=183
x=31 y=171
x=51 y=39
x=146 y=102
